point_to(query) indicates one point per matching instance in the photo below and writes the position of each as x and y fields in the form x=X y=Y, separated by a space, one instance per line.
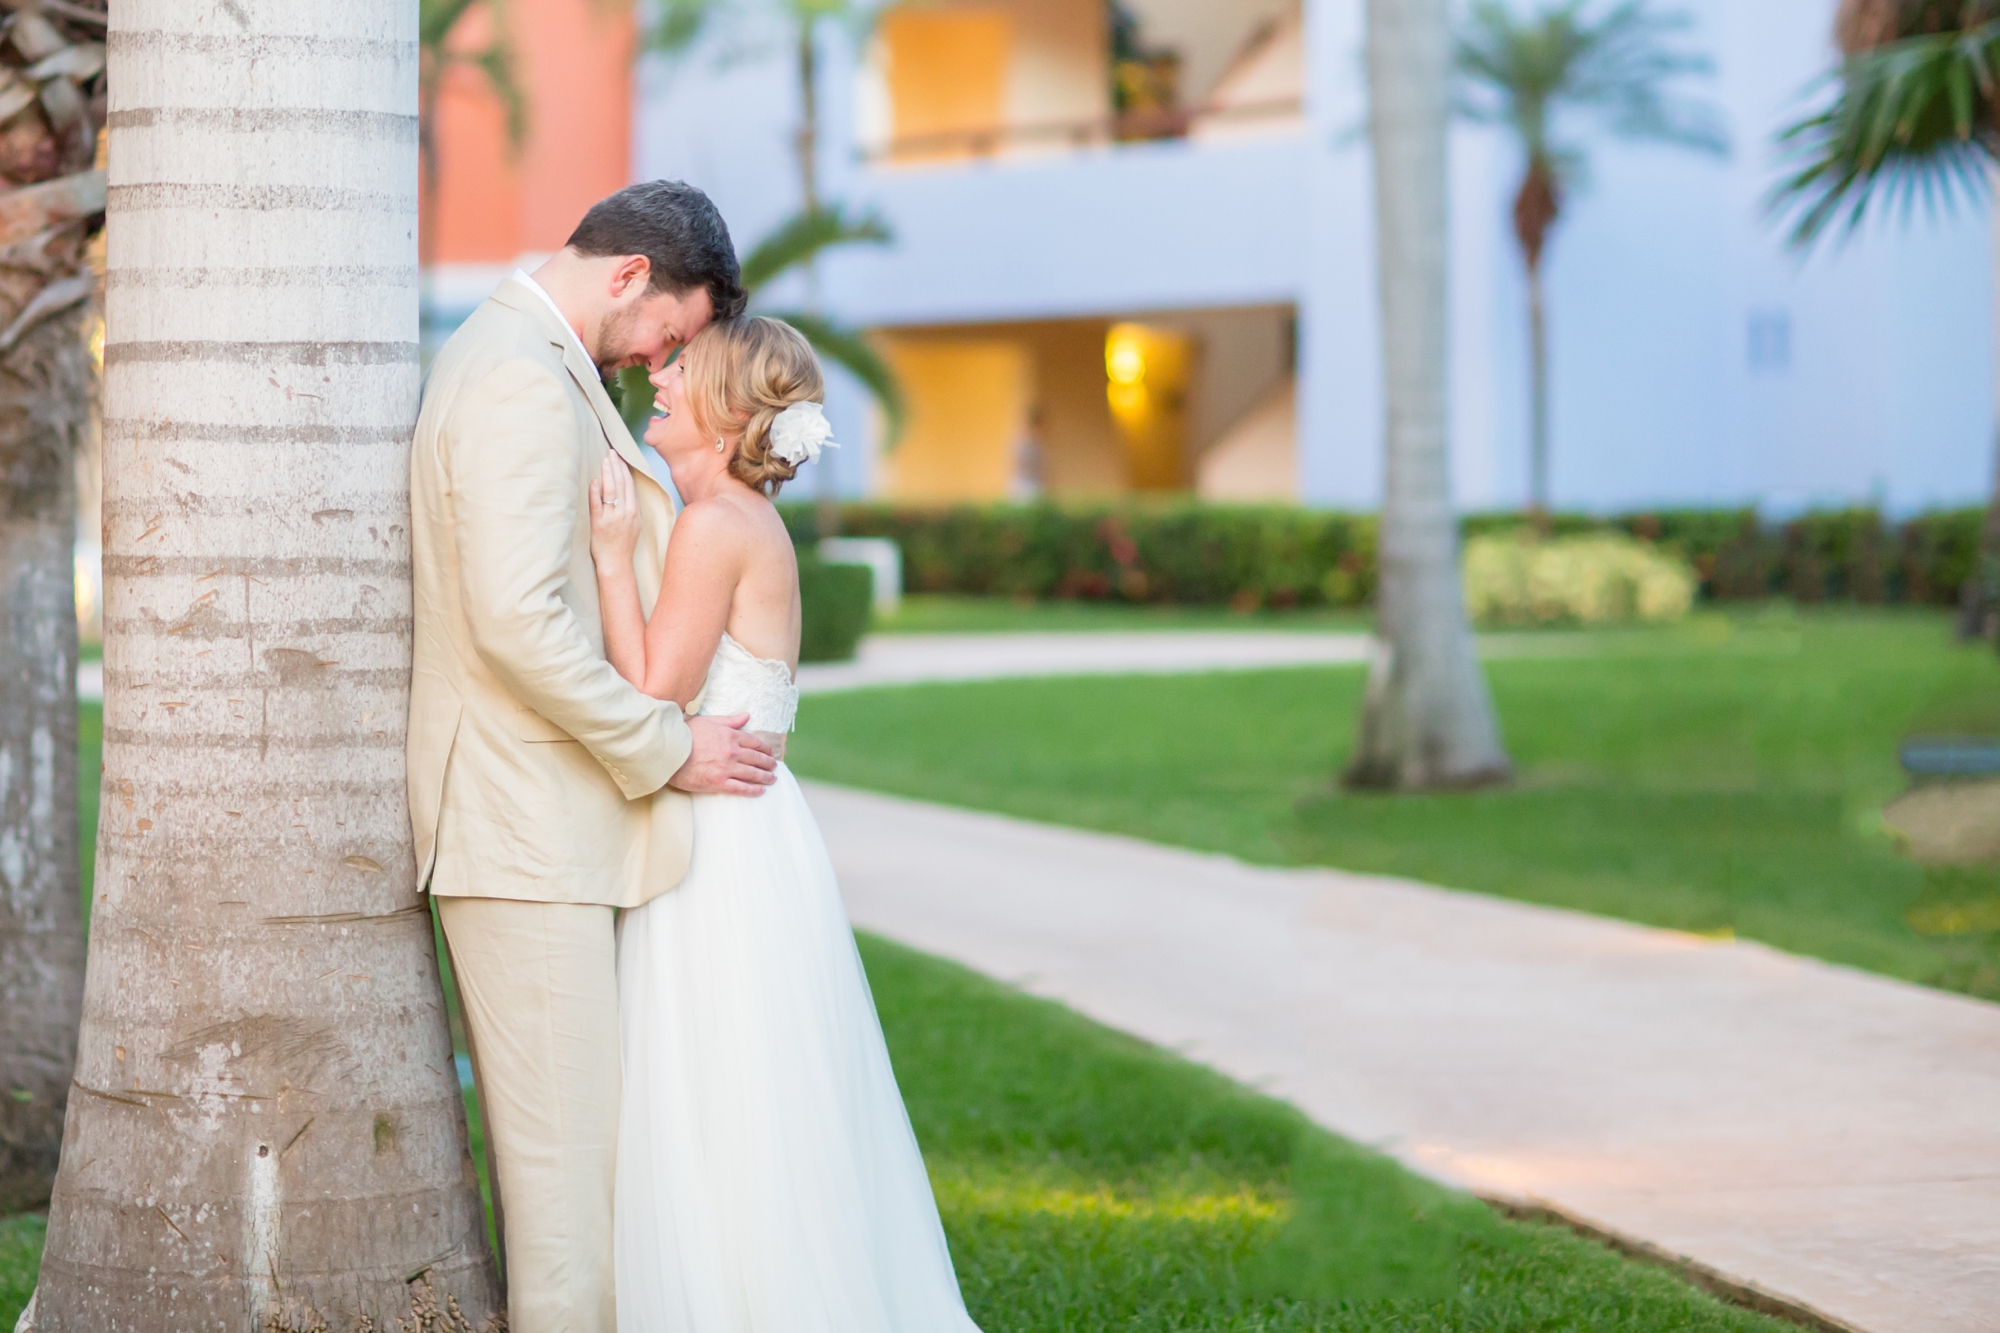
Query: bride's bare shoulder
x=706 y=530
x=730 y=522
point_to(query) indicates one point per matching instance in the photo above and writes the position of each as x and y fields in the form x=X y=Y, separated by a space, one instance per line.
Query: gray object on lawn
x=1950 y=757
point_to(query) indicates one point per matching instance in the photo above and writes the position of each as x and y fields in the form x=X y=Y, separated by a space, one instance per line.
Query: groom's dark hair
x=679 y=231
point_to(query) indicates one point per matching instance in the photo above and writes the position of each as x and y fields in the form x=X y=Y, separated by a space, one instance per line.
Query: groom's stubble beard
x=614 y=341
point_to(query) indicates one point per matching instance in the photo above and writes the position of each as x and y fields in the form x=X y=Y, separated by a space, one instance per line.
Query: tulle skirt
x=768 y=1179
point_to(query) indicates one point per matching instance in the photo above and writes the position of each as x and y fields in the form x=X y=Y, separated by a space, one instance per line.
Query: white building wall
x=1662 y=261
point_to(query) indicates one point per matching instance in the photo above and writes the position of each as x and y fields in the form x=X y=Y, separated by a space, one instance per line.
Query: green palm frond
x=1917 y=118
x=496 y=62
x=1523 y=72
x=676 y=25
x=804 y=236
x=631 y=391
x=851 y=350
x=436 y=20
x=859 y=17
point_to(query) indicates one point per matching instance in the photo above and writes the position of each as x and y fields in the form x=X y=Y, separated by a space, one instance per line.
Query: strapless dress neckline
x=740 y=682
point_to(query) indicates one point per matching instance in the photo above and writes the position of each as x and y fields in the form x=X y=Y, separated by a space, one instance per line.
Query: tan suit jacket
x=536 y=772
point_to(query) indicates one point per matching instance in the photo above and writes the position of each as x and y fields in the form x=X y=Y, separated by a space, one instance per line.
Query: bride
x=767 y=1179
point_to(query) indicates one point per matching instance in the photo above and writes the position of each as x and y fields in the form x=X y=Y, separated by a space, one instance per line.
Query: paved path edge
x=1723 y=1286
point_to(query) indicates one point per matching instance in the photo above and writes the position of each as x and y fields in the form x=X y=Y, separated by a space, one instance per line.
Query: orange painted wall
x=573 y=59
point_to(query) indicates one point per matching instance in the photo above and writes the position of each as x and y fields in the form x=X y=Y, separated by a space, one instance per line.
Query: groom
x=545 y=791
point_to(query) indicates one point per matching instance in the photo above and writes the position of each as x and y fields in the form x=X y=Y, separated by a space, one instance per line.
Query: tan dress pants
x=540 y=995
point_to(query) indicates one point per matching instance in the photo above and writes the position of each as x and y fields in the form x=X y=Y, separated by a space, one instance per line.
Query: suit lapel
x=585 y=375
x=518 y=298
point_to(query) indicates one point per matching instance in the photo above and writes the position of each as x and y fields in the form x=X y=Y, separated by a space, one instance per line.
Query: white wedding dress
x=768 y=1179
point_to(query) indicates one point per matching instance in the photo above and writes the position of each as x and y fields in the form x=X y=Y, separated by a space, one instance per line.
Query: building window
x=1770 y=342
x=947 y=78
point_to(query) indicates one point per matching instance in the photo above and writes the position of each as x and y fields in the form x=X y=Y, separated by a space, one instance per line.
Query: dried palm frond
x=1864 y=25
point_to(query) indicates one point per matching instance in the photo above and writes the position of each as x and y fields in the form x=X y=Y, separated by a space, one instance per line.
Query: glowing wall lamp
x=1146 y=370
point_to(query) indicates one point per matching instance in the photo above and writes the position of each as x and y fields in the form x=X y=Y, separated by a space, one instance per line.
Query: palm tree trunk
x=44 y=391
x=266 y=1119
x=1427 y=720
x=808 y=141
x=1538 y=342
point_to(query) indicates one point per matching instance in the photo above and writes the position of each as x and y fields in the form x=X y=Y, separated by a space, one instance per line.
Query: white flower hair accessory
x=800 y=432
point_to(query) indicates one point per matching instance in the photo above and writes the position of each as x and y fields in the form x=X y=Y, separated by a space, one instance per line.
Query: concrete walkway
x=1825 y=1137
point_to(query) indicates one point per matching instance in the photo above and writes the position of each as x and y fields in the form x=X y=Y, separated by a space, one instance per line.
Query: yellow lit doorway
x=1147 y=371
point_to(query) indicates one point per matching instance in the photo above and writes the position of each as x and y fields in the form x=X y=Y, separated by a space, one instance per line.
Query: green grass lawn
x=1089 y=1182
x=932 y=613
x=1725 y=775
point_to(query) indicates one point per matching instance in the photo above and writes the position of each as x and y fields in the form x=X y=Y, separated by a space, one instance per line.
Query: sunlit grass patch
x=998 y=1194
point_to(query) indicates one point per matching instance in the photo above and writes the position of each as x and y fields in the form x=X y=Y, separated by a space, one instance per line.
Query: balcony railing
x=1131 y=127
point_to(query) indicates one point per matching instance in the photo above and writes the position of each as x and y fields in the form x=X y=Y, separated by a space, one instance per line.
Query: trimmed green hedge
x=1186 y=554
x=1273 y=556
x=1849 y=555
x=834 y=604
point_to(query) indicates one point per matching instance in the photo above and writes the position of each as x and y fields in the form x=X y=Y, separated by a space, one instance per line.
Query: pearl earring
x=720 y=447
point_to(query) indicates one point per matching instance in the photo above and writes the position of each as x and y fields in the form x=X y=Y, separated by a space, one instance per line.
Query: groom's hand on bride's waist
x=726 y=760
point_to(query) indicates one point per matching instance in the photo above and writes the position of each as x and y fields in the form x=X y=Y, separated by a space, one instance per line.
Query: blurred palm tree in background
x=1528 y=73
x=1915 y=114
x=52 y=198
x=442 y=47
x=673 y=28
x=1427 y=719
x=795 y=246
x=676 y=27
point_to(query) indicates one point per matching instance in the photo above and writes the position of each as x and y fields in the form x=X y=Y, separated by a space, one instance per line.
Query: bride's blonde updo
x=740 y=374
